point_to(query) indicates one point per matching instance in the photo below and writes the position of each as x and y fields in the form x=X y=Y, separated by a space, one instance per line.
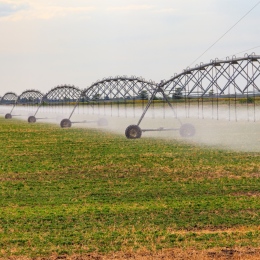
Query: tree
x=143 y=94
x=177 y=93
x=211 y=93
x=66 y=99
x=96 y=97
x=250 y=100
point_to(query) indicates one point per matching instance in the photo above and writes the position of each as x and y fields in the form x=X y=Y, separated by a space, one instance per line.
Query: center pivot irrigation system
x=111 y=91
x=56 y=97
x=234 y=79
x=9 y=98
x=134 y=131
x=32 y=97
x=229 y=86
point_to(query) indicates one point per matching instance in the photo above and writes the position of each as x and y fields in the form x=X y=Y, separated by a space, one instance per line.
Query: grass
x=73 y=191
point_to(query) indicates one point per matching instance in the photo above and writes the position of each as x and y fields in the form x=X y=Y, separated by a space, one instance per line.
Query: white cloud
x=49 y=12
x=8 y=8
x=33 y=10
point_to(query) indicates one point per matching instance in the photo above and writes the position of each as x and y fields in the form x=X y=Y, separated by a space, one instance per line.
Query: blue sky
x=48 y=43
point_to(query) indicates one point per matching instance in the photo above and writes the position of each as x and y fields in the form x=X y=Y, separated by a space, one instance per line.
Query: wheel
x=102 y=122
x=187 y=130
x=31 y=119
x=65 y=123
x=133 y=132
x=8 y=116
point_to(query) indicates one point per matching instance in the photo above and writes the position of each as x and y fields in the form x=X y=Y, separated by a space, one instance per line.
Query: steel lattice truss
x=118 y=88
x=9 y=98
x=30 y=96
x=64 y=93
x=236 y=76
x=239 y=76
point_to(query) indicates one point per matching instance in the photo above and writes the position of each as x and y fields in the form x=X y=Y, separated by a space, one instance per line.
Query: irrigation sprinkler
x=107 y=93
x=222 y=87
x=219 y=90
x=33 y=119
x=10 y=98
x=135 y=131
x=29 y=97
x=26 y=98
x=67 y=123
x=58 y=96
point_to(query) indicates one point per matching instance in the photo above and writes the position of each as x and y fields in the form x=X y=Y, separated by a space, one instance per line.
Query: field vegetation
x=158 y=101
x=80 y=192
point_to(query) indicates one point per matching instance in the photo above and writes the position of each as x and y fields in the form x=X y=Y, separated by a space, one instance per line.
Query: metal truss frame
x=112 y=89
x=120 y=87
x=237 y=77
x=134 y=131
x=218 y=76
x=27 y=97
x=199 y=81
x=9 y=98
x=62 y=94
x=30 y=96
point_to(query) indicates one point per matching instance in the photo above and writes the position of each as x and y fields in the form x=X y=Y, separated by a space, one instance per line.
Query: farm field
x=88 y=194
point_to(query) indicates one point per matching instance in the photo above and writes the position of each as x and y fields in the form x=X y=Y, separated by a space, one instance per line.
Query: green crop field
x=78 y=191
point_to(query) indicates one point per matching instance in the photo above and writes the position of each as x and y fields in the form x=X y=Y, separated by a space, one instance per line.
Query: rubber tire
x=31 y=119
x=133 y=132
x=8 y=116
x=102 y=122
x=65 y=123
x=187 y=130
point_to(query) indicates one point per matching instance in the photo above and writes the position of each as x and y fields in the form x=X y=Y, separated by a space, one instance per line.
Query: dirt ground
x=179 y=254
